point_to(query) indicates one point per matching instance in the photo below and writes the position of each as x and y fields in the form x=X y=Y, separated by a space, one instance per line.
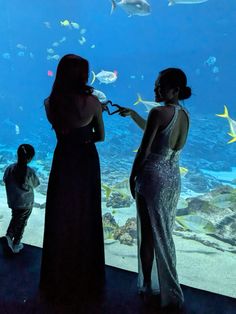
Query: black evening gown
x=73 y=248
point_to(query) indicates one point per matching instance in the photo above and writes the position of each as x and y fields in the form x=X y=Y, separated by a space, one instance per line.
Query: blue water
x=185 y=36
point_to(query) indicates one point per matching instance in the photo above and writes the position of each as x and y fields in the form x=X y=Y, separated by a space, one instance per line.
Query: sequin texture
x=159 y=183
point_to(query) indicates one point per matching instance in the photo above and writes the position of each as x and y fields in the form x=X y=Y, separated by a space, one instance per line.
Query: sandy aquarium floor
x=199 y=266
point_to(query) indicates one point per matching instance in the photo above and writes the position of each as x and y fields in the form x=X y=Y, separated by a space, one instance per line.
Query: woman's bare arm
x=99 y=132
x=47 y=109
x=152 y=125
x=141 y=122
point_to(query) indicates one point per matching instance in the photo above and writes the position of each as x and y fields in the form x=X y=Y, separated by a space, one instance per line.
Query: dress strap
x=184 y=109
x=173 y=120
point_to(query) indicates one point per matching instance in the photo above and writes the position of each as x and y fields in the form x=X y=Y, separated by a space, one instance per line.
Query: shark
x=172 y=2
x=232 y=124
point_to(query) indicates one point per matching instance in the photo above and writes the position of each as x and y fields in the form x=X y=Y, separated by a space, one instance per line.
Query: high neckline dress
x=159 y=183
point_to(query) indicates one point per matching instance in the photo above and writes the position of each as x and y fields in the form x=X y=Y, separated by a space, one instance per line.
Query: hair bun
x=185 y=93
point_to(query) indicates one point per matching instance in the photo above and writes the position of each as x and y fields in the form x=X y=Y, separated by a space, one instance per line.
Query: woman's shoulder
x=158 y=111
x=93 y=103
x=164 y=110
x=161 y=115
x=92 y=98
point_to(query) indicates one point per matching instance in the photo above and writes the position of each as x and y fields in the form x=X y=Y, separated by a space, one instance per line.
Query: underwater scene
x=127 y=43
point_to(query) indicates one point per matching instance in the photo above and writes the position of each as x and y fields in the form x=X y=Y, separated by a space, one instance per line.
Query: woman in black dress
x=73 y=249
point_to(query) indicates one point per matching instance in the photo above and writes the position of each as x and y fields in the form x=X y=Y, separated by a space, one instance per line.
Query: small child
x=20 y=181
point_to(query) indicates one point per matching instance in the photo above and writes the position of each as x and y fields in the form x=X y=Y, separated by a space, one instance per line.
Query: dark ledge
x=19 y=277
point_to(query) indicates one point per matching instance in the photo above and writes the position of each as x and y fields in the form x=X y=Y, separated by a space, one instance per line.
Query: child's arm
x=32 y=179
x=35 y=180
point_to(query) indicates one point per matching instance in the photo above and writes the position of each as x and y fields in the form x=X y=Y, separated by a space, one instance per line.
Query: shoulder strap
x=172 y=121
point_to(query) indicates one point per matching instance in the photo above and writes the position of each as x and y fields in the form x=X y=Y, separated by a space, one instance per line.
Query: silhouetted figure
x=20 y=181
x=155 y=184
x=73 y=249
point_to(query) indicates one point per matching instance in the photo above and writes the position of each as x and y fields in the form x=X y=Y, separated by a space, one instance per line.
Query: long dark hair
x=25 y=153
x=71 y=80
x=175 y=77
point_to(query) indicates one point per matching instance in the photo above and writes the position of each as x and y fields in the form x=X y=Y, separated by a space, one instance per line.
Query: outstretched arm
x=141 y=122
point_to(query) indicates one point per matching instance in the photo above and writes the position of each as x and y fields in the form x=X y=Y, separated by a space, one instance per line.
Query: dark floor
x=19 y=276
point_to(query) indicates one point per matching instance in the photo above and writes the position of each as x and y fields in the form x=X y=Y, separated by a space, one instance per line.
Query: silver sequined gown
x=159 y=183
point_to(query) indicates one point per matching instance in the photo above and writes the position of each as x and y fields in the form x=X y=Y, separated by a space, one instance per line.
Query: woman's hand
x=132 y=180
x=125 y=112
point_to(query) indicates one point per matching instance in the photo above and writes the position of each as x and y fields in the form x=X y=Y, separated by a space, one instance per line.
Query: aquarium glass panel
x=132 y=41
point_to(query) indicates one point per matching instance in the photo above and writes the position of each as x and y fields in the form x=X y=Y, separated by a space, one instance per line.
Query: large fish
x=132 y=7
x=172 y=2
x=147 y=103
x=232 y=124
x=100 y=95
x=121 y=188
x=106 y=77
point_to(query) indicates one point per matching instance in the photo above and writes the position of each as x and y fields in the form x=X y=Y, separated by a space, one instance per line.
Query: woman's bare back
x=179 y=131
x=86 y=108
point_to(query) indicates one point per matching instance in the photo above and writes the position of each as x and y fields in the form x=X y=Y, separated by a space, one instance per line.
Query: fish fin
x=138 y=100
x=231 y=134
x=225 y=114
x=94 y=77
x=183 y=171
x=171 y=2
x=113 y=6
x=107 y=189
x=121 y=184
x=232 y=140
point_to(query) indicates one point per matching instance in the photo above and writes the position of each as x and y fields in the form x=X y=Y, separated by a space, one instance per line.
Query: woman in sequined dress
x=155 y=185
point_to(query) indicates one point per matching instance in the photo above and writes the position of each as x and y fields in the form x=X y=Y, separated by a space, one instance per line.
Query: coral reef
x=216 y=212
x=109 y=226
x=127 y=234
x=117 y=200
